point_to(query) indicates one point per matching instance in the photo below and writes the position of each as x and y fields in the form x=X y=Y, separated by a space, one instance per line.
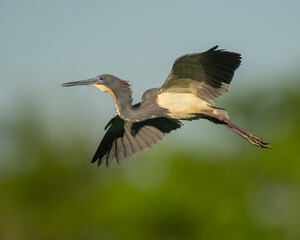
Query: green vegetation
x=48 y=189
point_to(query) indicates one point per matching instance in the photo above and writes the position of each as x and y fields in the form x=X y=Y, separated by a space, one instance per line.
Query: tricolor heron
x=188 y=93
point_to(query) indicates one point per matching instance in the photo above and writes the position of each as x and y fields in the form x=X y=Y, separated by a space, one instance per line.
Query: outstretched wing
x=123 y=138
x=206 y=74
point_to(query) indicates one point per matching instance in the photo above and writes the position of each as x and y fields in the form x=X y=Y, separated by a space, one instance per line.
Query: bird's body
x=184 y=106
x=188 y=93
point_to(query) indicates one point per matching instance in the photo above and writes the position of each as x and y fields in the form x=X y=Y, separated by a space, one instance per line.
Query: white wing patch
x=183 y=105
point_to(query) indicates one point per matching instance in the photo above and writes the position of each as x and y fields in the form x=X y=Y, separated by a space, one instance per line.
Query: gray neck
x=146 y=110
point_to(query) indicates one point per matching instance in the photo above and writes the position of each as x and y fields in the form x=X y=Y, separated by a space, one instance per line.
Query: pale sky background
x=46 y=43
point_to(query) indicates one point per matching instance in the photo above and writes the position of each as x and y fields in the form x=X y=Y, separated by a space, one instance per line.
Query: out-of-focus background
x=200 y=182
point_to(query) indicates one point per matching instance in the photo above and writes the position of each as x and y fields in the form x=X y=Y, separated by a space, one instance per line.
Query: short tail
x=219 y=111
x=223 y=113
x=222 y=119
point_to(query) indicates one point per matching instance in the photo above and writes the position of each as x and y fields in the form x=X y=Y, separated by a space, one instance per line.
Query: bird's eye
x=101 y=78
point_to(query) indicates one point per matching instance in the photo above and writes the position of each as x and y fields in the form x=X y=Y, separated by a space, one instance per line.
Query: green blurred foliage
x=48 y=189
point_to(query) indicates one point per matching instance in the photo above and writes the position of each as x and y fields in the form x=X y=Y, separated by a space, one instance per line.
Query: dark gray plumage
x=124 y=138
x=188 y=93
x=207 y=74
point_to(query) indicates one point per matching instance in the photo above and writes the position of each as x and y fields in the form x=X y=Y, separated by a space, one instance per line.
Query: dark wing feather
x=206 y=74
x=123 y=138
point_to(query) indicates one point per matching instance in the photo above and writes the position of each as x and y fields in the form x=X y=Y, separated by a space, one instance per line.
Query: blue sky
x=45 y=43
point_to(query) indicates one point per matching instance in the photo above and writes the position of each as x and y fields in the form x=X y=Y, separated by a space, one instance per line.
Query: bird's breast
x=106 y=89
x=182 y=105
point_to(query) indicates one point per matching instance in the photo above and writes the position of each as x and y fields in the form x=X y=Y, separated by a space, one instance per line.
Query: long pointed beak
x=90 y=81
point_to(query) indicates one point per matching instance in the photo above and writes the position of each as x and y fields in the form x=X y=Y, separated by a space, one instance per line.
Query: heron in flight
x=188 y=94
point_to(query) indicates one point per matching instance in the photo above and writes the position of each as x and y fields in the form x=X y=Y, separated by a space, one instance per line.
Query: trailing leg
x=254 y=140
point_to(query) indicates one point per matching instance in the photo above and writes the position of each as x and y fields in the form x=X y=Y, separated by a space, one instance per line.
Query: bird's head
x=100 y=82
x=106 y=83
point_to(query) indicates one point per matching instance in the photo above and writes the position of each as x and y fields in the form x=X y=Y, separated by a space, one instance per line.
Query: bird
x=188 y=93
